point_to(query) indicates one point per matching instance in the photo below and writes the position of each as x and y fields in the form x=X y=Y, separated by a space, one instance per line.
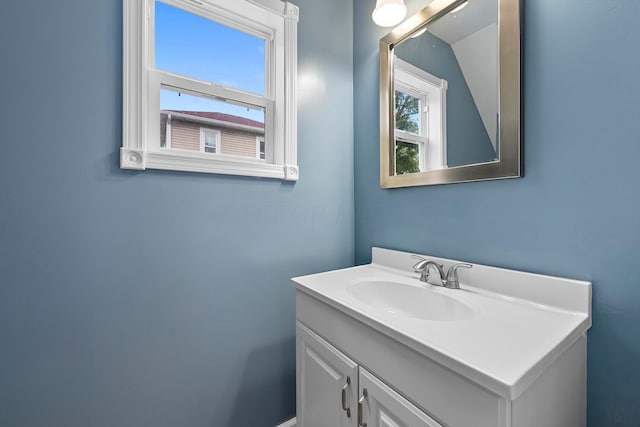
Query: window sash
x=160 y=79
x=264 y=36
x=422 y=111
x=422 y=149
x=264 y=29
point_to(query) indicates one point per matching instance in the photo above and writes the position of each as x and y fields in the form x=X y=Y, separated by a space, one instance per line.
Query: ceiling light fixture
x=419 y=33
x=459 y=8
x=389 y=12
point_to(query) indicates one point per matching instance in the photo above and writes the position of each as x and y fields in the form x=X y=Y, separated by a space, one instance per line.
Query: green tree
x=407 y=112
x=407 y=158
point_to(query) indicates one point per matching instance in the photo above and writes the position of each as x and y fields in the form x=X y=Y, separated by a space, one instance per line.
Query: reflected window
x=420 y=119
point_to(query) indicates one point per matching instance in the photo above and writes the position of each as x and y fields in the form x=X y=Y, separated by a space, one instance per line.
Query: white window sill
x=183 y=160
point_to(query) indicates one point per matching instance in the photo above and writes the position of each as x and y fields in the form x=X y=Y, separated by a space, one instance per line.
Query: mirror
x=450 y=95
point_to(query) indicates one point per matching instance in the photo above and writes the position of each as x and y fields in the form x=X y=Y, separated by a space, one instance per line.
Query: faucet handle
x=452 y=274
x=422 y=265
x=417 y=267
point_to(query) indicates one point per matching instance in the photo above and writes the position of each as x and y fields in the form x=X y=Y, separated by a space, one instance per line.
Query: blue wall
x=577 y=211
x=201 y=321
x=467 y=139
x=153 y=298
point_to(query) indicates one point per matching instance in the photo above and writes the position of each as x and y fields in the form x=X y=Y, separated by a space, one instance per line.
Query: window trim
x=203 y=134
x=141 y=82
x=432 y=91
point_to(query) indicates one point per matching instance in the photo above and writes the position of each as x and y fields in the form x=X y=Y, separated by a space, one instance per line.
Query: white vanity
x=378 y=347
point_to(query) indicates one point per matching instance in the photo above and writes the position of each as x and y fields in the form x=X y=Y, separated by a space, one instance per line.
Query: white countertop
x=516 y=331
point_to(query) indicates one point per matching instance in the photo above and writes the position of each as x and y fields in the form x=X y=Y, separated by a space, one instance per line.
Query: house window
x=420 y=119
x=260 y=147
x=230 y=63
x=210 y=140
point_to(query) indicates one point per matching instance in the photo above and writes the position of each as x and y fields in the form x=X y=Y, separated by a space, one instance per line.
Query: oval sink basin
x=410 y=301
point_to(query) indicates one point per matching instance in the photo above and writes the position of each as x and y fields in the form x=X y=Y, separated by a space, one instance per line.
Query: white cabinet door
x=326 y=380
x=380 y=406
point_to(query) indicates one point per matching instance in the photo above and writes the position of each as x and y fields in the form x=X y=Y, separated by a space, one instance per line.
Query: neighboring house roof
x=215 y=118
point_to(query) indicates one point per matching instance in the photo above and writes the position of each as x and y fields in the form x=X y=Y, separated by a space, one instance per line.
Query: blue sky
x=194 y=46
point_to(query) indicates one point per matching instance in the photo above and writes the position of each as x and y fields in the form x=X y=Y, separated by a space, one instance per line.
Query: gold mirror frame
x=510 y=162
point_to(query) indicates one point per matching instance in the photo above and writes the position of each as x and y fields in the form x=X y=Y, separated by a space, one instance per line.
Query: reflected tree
x=407 y=112
x=407 y=115
x=407 y=158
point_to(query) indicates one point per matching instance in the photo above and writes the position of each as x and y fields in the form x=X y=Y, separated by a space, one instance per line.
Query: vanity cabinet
x=405 y=388
x=327 y=384
x=517 y=359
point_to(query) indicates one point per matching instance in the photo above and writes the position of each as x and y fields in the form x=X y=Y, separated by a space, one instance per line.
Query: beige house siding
x=185 y=135
x=238 y=143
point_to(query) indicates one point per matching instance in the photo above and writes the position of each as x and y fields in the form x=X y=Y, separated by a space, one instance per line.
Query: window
x=210 y=77
x=420 y=119
x=210 y=141
x=260 y=148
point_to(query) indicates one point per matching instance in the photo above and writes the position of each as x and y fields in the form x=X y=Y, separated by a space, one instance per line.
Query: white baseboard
x=290 y=423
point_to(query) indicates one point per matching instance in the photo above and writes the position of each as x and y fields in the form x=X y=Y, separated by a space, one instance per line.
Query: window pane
x=193 y=46
x=210 y=140
x=261 y=147
x=407 y=158
x=189 y=122
x=407 y=112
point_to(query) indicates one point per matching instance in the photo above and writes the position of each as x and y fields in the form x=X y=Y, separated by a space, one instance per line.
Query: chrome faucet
x=450 y=280
x=422 y=267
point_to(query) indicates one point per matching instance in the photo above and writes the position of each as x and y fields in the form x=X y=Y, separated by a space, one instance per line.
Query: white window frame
x=203 y=135
x=432 y=91
x=273 y=20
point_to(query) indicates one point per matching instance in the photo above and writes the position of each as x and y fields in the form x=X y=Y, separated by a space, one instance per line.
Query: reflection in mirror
x=420 y=119
x=450 y=95
x=446 y=91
